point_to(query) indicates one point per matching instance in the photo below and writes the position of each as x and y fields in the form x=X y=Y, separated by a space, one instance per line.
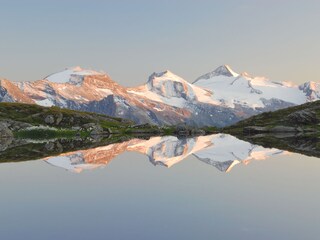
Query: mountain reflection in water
x=220 y=150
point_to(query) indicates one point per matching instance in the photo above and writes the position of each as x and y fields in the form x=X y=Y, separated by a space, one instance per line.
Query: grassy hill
x=302 y=118
x=295 y=129
x=28 y=120
x=36 y=115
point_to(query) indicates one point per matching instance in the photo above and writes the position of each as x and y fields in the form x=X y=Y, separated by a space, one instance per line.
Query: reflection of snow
x=220 y=150
x=74 y=162
x=230 y=150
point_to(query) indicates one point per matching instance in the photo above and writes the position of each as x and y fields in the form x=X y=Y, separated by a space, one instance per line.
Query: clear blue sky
x=131 y=39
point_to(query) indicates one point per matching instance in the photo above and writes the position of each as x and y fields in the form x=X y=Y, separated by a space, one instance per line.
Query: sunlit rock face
x=220 y=150
x=219 y=98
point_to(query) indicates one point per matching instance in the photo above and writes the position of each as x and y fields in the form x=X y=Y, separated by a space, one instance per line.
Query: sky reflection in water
x=131 y=199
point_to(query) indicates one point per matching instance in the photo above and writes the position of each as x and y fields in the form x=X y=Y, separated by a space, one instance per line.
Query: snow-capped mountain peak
x=166 y=87
x=72 y=75
x=223 y=71
x=218 y=98
x=167 y=84
x=244 y=91
x=164 y=76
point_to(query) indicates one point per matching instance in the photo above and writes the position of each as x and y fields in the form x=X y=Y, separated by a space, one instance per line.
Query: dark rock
x=283 y=129
x=198 y=132
x=49 y=146
x=59 y=118
x=276 y=129
x=5 y=143
x=146 y=125
x=303 y=117
x=97 y=130
x=59 y=147
x=71 y=120
x=16 y=126
x=255 y=130
x=109 y=131
x=49 y=119
x=5 y=132
x=89 y=126
x=93 y=128
x=75 y=128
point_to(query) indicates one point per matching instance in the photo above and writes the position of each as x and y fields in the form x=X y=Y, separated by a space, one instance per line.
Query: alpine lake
x=163 y=187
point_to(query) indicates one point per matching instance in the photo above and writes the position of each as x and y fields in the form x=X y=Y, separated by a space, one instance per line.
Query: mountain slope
x=9 y=92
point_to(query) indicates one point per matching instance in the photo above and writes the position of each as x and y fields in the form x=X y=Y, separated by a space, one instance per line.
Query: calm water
x=214 y=187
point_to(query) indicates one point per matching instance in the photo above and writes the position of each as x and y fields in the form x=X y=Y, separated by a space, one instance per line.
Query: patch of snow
x=170 y=150
x=44 y=102
x=71 y=75
x=168 y=88
x=250 y=91
x=226 y=149
x=105 y=91
x=74 y=163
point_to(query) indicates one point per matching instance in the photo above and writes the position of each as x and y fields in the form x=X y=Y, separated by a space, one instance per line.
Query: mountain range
x=219 y=98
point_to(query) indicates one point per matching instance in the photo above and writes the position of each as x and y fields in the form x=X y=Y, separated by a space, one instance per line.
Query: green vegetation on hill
x=302 y=118
x=295 y=129
x=33 y=121
x=54 y=116
x=37 y=122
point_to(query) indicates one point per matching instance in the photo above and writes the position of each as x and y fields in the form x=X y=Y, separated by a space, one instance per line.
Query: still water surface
x=213 y=187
